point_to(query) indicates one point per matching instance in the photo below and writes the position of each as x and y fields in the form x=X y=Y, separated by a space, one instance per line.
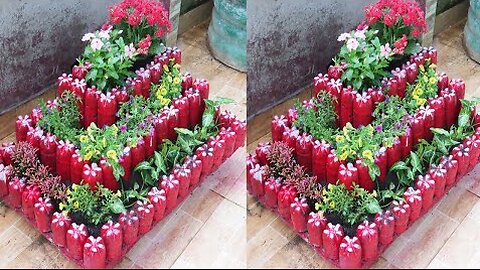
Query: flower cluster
x=425 y=86
x=136 y=11
x=393 y=12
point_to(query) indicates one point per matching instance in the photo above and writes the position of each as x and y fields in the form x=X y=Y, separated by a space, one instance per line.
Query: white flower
x=360 y=34
x=104 y=34
x=96 y=44
x=385 y=50
x=352 y=44
x=344 y=37
x=88 y=36
x=130 y=50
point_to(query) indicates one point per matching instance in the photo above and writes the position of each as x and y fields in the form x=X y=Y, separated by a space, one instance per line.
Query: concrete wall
x=40 y=39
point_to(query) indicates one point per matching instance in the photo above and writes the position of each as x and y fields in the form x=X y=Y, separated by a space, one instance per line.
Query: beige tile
x=12 y=243
x=457 y=203
x=224 y=260
x=471 y=181
x=258 y=218
x=169 y=243
x=223 y=179
x=297 y=254
x=475 y=212
x=202 y=203
x=425 y=243
x=461 y=250
x=383 y=264
x=25 y=227
x=262 y=247
x=8 y=217
x=219 y=234
x=237 y=193
x=282 y=228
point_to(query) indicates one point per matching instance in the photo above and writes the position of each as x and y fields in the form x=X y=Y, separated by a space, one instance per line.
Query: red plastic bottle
x=64 y=153
x=428 y=122
x=203 y=88
x=171 y=187
x=195 y=166
x=331 y=238
x=158 y=199
x=34 y=136
x=320 y=83
x=363 y=109
x=138 y=153
x=364 y=179
x=183 y=175
x=394 y=153
x=450 y=100
x=183 y=112
x=16 y=186
x=299 y=211
x=406 y=142
x=412 y=72
x=5 y=172
x=205 y=154
x=187 y=81
x=171 y=115
x=43 y=214
x=458 y=86
x=451 y=165
x=290 y=137
x=76 y=167
x=426 y=185
x=417 y=126
x=228 y=136
x=113 y=237
x=386 y=226
x=218 y=145
x=401 y=212
x=36 y=115
x=75 y=239
x=279 y=124
x=129 y=223
x=438 y=105
x=262 y=151
x=6 y=151
x=240 y=129
x=78 y=87
x=439 y=175
x=109 y=180
x=48 y=150
x=347 y=175
x=367 y=233
x=443 y=81
x=60 y=225
x=334 y=87
x=303 y=151
x=94 y=253
x=335 y=72
x=346 y=112
x=92 y=96
x=258 y=177
x=350 y=254
x=333 y=164
x=414 y=199
x=381 y=161
x=315 y=226
x=473 y=143
x=145 y=213
x=195 y=105
x=462 y=154
x=272 y=187
x=286 y=196
x=30 y=196
x=320 y=151
x=125 y=160
x=64 y=83
x=161 y=129
x=23 y=123
x=92 y=175
x=292 y=116
x=107 y=109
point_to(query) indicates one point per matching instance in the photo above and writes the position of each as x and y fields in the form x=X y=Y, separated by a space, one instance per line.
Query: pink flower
x=385 y=50
x=360 y=34
x=104 y=34
x=343 y=37
x=352 y=44
x=96 y=44
x=130 y=50
x=88 y=36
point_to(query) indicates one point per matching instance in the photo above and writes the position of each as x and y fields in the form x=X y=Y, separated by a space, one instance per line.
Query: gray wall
x=289 y=42
x=39 y=40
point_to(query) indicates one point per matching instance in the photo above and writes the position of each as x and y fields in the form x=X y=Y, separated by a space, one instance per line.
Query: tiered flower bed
x=348 y=174
x=99 y=166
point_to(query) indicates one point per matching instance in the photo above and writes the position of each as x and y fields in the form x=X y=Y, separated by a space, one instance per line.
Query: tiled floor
x=446 y=237
x=208 y=229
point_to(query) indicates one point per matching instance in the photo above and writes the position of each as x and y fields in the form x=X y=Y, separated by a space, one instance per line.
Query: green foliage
x=64 y=123
x=390 y=117
x=319 y=122
x=425 y=87
x=365 y=65
x=352 y=207
x=171 y=83
x=97 y=206
x=110 y=64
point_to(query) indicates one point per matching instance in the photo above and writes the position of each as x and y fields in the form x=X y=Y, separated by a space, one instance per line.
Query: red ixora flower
x=144 y=45
x=400 y=45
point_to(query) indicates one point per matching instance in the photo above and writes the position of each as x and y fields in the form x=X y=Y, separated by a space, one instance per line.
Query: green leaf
x=373 y=207
x=349 y=74
x=160 y=163
x=440 y=131
x=117 y=207
x=143 y=166
x=184 y=131
x=416 y=162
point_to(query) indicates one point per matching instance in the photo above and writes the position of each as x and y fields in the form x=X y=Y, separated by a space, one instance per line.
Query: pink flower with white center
x=88 y=37
x=96 y=44
x=385 y=50
x=130 y=50
x=344 y=37
x=104 y=34
x=360 y=34
x=352 y=44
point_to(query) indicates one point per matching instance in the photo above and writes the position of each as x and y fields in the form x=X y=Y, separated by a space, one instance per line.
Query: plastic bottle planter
x=130 y=224
x=315 y=226
x=350 y=254
x=286 y=196
x=332 y=236
x=299 y=211
x=4 y=180
x=257 y=176
x=76 y=238
x=60 y=225
x=272 y=187
x=171 y=187
x=43 y=214
x=414 y=199
x=367 y=233
x=94 y=253
x=30 y=195
x=158 y=199
x=113 y=237
x=145 y=212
